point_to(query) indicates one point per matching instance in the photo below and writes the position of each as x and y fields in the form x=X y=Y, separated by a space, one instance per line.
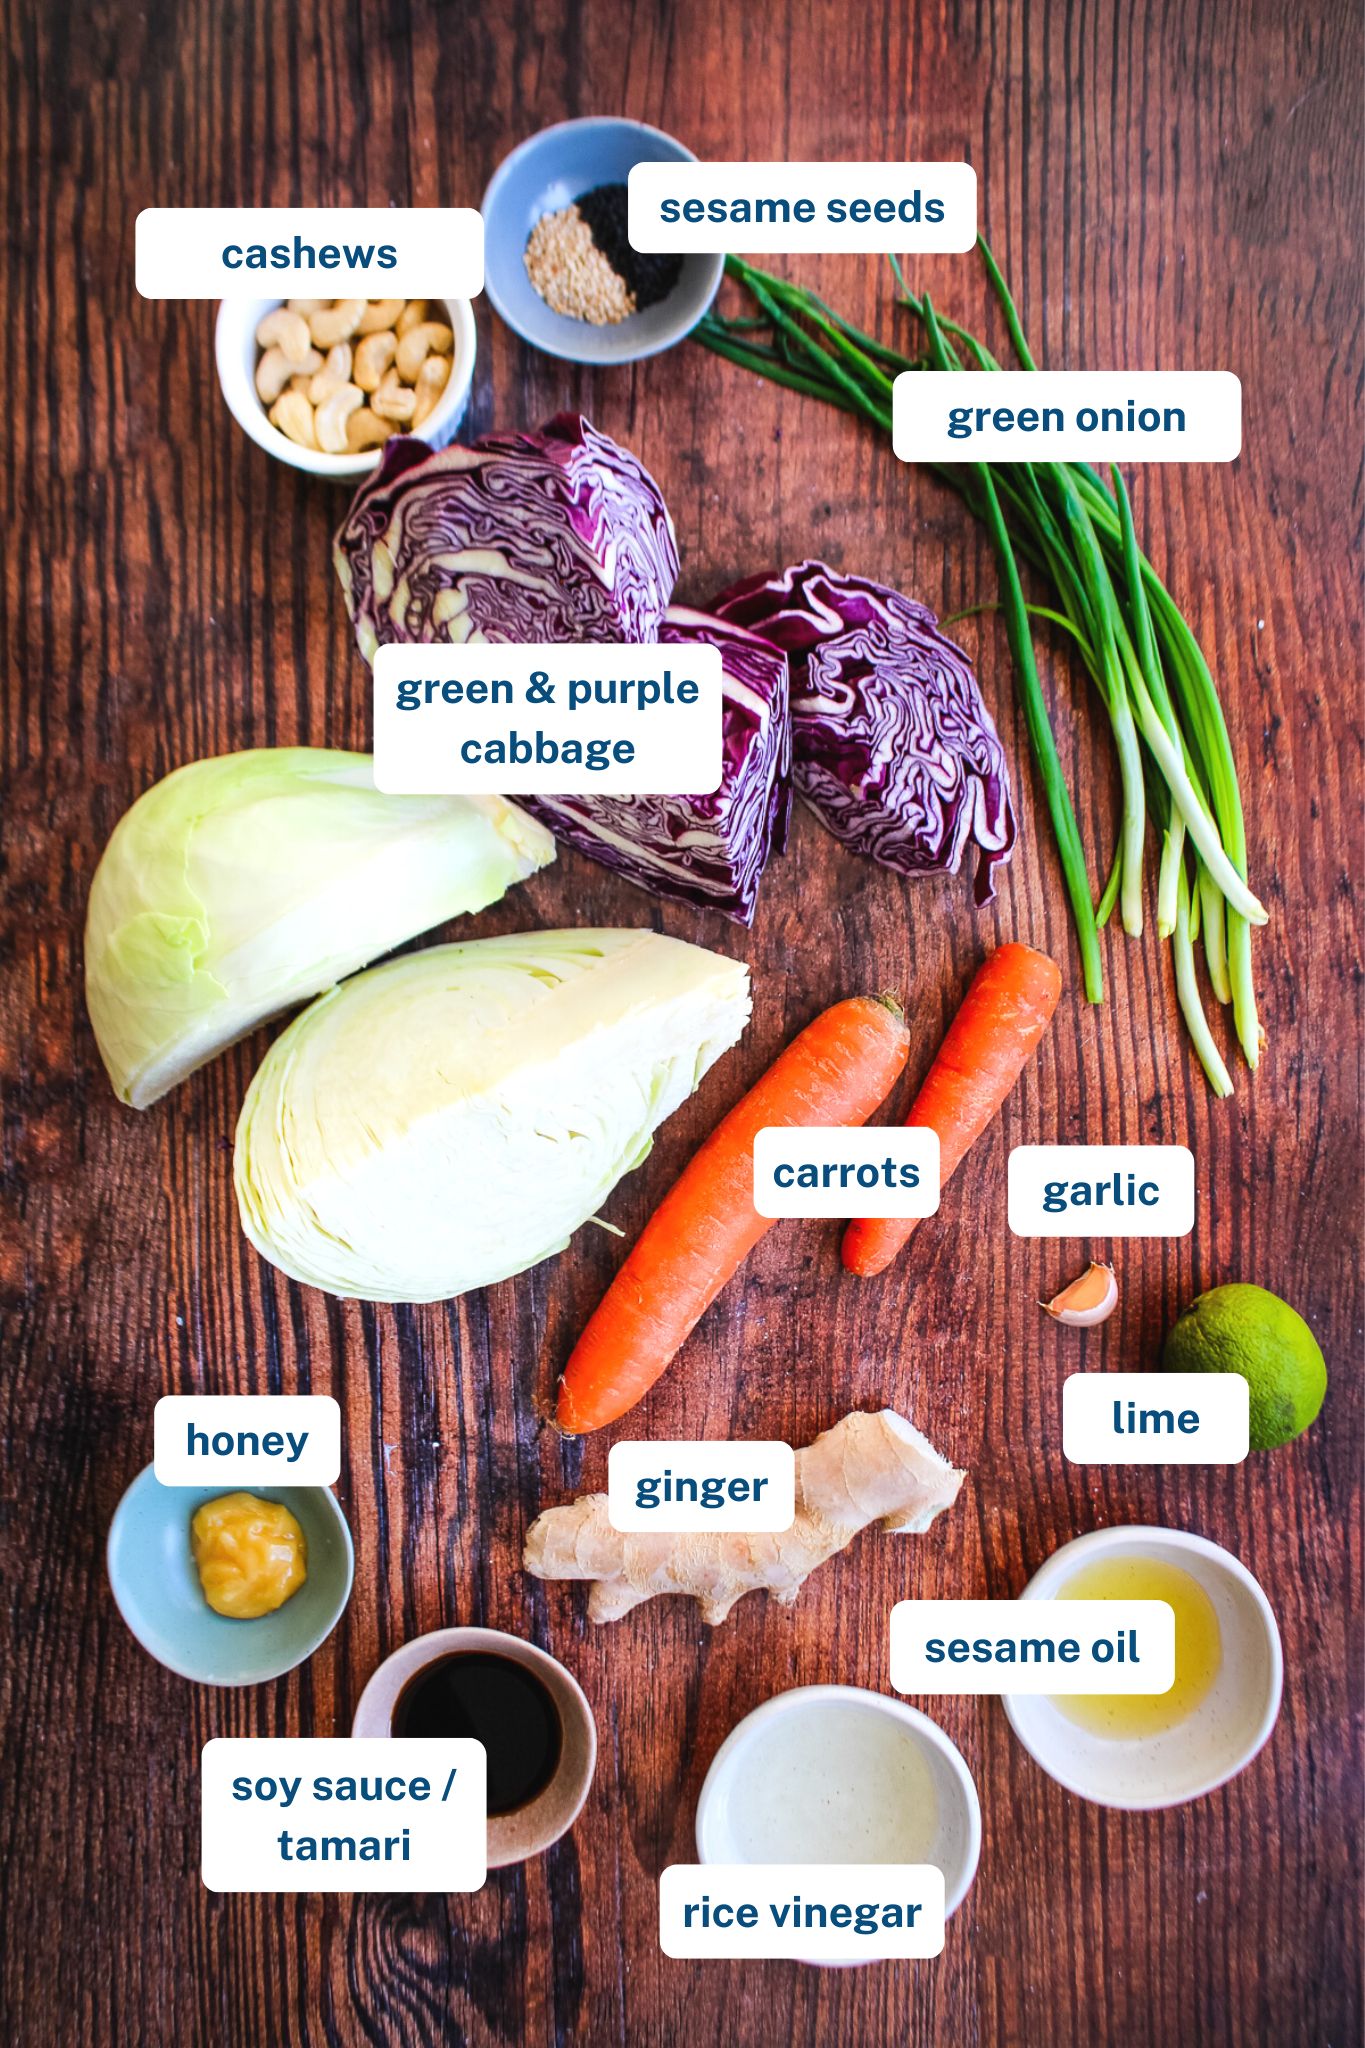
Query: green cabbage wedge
x=452 y=1117
x=242 y=886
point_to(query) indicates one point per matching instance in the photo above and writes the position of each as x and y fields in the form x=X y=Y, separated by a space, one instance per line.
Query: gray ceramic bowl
x=155 y=1583
x=550 y=171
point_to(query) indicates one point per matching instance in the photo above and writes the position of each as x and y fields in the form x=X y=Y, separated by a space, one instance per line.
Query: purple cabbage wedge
x=559 y=535
x=893 y=748
x=707 y=850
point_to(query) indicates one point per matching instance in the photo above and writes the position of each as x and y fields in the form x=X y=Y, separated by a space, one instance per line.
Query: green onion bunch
x=1076 y=531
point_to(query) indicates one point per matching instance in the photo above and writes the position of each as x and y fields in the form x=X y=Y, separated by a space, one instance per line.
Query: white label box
x=1032 y=1646
x=767 y=208
x=477 y=719
x=331 y=252
x=811 y=1912
x=683 y=1486
x=1067 y=416
x=286 y=1814
x=247 y=1439
x=1101 y=1191
x=1155 y=1418
x=835 y=1170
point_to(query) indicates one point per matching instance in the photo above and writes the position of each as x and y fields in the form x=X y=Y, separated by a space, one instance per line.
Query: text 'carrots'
x=836 y=1071
x=989 y=1043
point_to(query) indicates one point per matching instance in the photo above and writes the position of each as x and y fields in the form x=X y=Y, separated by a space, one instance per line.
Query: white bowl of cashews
x=322 y=384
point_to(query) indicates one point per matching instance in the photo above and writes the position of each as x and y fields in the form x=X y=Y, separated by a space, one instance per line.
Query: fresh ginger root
x=868 y=1468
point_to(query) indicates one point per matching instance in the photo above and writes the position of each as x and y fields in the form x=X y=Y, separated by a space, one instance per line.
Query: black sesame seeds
x=647 y=278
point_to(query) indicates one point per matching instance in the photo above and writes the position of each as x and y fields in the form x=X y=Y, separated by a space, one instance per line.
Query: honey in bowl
x=251 y=1555
x=1129 y=1717
x=499 y=1702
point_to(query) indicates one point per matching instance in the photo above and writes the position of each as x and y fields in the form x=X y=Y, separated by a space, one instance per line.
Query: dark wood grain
x=1176 y=186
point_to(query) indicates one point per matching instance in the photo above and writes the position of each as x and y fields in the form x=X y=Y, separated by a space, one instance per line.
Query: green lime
x=1245 y=1329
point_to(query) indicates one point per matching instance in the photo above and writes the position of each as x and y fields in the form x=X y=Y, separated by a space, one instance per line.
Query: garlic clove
x=1087 y=1301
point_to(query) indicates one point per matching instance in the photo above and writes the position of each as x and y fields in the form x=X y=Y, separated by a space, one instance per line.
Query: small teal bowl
x=549 y=172
x=156 y=1585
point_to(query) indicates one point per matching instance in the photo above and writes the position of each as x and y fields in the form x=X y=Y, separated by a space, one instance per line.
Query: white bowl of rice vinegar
x=1144 y=1750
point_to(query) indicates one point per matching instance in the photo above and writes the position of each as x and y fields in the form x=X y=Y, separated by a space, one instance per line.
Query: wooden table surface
x=1178 y=187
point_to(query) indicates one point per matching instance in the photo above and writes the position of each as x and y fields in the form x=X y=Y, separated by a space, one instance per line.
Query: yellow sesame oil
x=1128 y=1717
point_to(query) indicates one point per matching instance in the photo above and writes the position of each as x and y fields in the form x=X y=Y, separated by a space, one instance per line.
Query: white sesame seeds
x=571 y=274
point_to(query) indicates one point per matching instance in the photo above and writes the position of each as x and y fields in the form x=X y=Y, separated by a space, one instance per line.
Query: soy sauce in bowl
x=502 y=1704
x=530 y=1713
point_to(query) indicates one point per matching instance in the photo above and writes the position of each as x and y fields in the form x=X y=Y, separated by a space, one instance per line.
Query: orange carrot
x=990 y=1041
x=835 y=1072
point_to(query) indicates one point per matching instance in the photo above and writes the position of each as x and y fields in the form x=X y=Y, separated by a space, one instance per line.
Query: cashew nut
x=336 y=323
x=273 y=372
x=286 y=331
x=432 y=337
x=365 y=429
x=394 y=400
x=373 y=356
x=275 y=369
x=329 y=421
x=335 y=372
x=293 y=415
x=432 y=379
x=380 y=314
x=386 y=366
